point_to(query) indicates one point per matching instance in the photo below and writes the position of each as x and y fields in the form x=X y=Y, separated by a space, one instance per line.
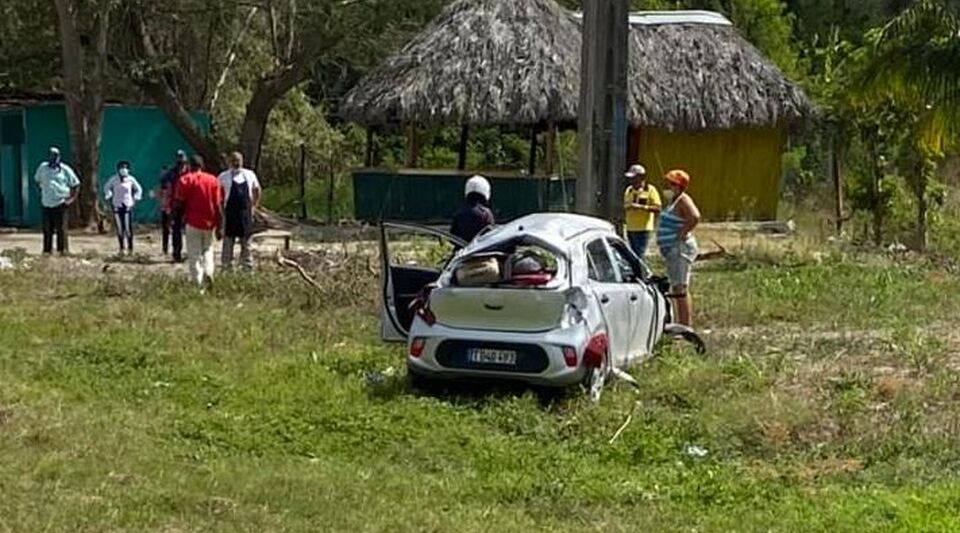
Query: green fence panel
x=141 y=135
x=432 y=198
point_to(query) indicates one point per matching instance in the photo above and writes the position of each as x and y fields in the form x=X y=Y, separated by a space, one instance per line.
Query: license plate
x=492 y=356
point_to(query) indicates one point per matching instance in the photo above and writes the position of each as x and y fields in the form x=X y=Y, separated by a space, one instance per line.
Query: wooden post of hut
x=368 y=160
x=462 y=149
x=413 y=146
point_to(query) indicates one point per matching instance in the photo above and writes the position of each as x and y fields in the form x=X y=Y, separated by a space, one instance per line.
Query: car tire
x=420 y=382
x=596 y=379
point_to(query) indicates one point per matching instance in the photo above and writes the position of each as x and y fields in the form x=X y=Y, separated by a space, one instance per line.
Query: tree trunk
x=920 y=192
x=877 y=205
x=836 y=156
x=922 y=209
x=84 y=102
x=160 y=92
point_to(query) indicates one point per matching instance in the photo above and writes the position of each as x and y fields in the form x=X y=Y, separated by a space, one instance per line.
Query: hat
x=54 y=150
x=678 y=178
x=634 y=171
x=181 y=155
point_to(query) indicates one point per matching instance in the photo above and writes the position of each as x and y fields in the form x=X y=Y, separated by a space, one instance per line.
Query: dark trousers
x=639 y=241
x=172 y=227
x=123 y=221
x=55 y=222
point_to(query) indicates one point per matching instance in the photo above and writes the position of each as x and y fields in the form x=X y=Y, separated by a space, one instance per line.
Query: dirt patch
x=829 y=467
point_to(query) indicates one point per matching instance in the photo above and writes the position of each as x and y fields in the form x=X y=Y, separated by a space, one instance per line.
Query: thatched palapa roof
x=479 y=62
x=704 y=75
x=518 y=62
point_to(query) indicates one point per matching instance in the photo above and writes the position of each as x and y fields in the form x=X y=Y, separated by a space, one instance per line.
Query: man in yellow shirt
x=641 y=202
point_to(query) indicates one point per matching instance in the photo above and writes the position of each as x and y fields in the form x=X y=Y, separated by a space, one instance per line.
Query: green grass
x=827 y=403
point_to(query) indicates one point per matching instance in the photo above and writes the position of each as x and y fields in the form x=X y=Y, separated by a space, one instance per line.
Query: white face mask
x=124 y=172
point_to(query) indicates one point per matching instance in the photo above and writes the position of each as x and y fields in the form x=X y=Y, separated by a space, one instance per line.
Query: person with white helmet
x=475 y=215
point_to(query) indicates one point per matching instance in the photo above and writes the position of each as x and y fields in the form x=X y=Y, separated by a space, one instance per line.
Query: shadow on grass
x=461 y=392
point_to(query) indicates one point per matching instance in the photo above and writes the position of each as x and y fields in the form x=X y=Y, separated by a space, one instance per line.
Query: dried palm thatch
x=518 y=62
x=706 y=76
x=479 y=62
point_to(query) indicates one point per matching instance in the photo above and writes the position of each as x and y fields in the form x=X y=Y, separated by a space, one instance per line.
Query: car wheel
x=596 y=378
x=419 y=381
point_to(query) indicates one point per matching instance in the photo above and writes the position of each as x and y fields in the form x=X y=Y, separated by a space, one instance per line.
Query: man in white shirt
x=241 y=193
x=124 y=190
x=59 y=186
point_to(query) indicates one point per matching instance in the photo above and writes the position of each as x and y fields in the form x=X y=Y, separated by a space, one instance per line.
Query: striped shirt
x=668 y=232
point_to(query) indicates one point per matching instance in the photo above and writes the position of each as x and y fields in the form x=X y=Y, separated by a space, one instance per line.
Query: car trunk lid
x=498 y=309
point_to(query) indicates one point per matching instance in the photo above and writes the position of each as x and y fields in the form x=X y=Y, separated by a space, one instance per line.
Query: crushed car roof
x=552 y=228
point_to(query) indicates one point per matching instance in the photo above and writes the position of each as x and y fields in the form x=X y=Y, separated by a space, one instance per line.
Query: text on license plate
x=492 y=356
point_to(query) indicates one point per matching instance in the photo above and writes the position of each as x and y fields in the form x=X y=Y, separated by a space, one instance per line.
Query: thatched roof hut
x=518 y=62
x=480 y=62
x=695 y=71
x=701 y=97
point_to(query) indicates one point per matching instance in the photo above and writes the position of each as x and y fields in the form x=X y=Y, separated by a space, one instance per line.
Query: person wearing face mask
x=241 y=190
x=171 y=225
x=677 y=244
x=124 y=190
x=59 y=186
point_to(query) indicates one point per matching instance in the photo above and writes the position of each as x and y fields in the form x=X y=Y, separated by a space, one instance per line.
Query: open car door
x=411 y=257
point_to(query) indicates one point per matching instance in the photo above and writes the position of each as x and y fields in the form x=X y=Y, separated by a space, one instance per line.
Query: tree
x=915 y=62
x=84 y=62
x=293 y=38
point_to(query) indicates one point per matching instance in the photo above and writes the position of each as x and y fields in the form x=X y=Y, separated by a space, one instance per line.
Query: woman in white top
x=124 y=191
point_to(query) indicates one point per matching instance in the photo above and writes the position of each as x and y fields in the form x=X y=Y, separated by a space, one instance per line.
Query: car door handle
x=634 y=297
x=604 y=300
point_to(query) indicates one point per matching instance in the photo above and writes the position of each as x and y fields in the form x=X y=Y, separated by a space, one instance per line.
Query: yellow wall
x=735 y=174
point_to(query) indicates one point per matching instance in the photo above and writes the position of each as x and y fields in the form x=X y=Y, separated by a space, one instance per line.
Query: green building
x=30 y=125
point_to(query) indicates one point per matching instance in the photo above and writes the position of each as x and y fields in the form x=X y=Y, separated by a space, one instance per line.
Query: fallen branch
x=290 y=263
x=626 y=423
x=720 y=253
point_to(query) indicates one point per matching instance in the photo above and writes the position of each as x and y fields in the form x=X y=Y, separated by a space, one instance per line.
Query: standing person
x=171 y=225
x=59 y=186
x=641 y=203
x=242 y=192
x=475 y=215
x=677 y=244
x=125 y=191
x=198 y=200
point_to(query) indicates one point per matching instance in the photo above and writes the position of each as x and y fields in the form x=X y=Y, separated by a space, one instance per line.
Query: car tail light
x=570 y=356
x=417 y=346
x=595 y=351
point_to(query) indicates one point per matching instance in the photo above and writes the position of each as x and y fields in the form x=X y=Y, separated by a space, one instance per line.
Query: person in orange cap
x=677 y=244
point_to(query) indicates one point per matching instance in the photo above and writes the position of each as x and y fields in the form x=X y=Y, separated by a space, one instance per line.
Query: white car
x=548 y=299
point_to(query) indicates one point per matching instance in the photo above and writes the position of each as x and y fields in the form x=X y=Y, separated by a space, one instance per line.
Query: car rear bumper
x=551 y=371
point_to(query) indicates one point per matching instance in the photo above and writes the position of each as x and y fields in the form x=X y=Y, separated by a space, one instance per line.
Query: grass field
x=828 y=402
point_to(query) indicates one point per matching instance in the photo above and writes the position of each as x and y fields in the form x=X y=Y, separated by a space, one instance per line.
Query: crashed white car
x=548 y=299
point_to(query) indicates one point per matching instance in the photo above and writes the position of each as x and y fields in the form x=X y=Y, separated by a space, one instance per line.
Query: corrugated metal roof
x=654 y=18
x=679 y=17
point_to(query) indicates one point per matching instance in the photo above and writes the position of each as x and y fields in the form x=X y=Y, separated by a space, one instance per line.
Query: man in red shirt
x=198 y=198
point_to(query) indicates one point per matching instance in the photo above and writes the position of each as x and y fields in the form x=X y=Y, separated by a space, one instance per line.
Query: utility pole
x=603 y=107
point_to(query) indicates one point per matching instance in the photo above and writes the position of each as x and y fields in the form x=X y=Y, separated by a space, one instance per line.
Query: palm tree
x=914 y=61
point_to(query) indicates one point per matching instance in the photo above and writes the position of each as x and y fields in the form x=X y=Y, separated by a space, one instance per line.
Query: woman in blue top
x=677 y=245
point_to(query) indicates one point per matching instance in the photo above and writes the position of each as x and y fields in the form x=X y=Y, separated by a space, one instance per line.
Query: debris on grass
x=697 y=452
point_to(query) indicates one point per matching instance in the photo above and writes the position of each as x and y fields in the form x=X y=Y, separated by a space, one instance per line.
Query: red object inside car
x=531 y=280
